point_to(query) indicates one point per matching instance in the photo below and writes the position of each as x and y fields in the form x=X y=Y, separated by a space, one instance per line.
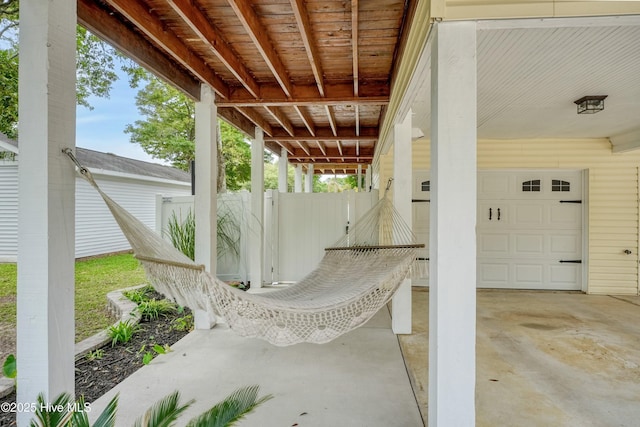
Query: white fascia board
x=124 y=175
x=591 y=21
x=624 y=142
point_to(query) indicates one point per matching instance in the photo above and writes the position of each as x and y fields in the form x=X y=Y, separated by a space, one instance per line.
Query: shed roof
x=114 y=163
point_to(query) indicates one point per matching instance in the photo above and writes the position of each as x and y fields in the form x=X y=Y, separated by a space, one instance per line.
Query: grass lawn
x=94 y=279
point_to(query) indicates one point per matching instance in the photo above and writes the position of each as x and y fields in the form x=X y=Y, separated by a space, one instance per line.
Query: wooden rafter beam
x=153 y=28
x=322 y=148
x=282 y=120
x=304 y=148
x=200 y=25
x=325 y=134
x=375 y=93
x=332 y=155
x=108 y=27
x=306 y=118
x=302 y=19
x=356 y=58
x=256 y=119
x=238 y=120
x=260 y=38
x=331 y=115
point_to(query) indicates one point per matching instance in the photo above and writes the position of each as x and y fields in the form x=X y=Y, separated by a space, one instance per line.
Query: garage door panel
x=564 y=245
x=529 y=244
x=528 y=221
x=493 y=244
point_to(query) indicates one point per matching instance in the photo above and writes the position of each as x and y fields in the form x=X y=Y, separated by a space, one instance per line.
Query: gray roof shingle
x=114 y=163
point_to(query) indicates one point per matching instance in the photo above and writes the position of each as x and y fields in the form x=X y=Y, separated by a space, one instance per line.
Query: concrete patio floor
x=356 y=380
x=543 y=358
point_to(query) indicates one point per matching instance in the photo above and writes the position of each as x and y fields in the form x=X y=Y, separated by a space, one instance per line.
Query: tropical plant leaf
x=55 y=414
x=232 y=409
x=164 y=412
x=108 y=417
x=9 y=367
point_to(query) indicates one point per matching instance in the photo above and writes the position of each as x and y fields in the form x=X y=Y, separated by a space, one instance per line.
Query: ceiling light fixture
x=590 y=104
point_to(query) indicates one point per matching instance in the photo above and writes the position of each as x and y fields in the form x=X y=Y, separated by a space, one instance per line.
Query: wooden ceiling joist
x=108 y=27
x=200 y=25
x=325 y=134
x=260 y=37
x=151 y=26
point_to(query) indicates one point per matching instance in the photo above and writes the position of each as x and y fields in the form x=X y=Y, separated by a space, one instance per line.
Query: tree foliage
x=167 y=131
x=95 y=67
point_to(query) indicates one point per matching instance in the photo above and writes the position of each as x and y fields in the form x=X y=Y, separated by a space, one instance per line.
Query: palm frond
x=108 y=417
x=54 y=414
x=232 y=409
x=164 y=412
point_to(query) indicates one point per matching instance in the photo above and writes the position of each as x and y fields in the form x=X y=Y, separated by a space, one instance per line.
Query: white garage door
x=529 y=228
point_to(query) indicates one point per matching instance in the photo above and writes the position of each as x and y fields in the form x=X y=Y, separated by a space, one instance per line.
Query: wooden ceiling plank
x=277 y=114
x=304 y=25
x=322 y=148
x=259 y=35
x=331 y=116
x=142 y=18
x=306 y=118
x=238 y=120
x=339 y=144
x=326 y=134
x=200 y=25
x=257 y=120
x=109 y=28
x=304 y=147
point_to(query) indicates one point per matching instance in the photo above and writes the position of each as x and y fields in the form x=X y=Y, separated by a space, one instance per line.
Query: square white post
x=46 y=201
x=402 y=170
x=367 y=179
x=206 y=197
x=359 y=186
x=282 y=170
x=452 y=280
x=256 y=230
x=308 y=181
x=297 y=183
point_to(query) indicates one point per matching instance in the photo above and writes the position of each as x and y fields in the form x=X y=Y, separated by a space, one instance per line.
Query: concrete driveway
x=545 y=358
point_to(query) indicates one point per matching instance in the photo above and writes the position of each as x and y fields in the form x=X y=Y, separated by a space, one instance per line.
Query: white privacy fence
x=297 y=228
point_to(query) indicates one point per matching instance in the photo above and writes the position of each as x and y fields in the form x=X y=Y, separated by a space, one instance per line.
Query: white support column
x=367 y=179
x=282 y=170
x=46 y=202
x=308 y=181
x=256 y=238
x=452 y=279
x=359 y=187
x=297 y=185
x=206 y=197
x=402 y=170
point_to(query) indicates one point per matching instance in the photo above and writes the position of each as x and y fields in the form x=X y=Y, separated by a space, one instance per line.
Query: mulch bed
x=95 y=377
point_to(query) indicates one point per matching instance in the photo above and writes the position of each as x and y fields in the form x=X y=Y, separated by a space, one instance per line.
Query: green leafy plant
x=182 y=233
x=184 y=323
x=9 y=368
x=122 y=332
x=64 y=412
x=153 y=309
x=159 y=349
x=139 y=295
x=96 y=354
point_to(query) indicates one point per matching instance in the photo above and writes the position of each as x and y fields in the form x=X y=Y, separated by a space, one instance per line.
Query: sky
x=102 y=129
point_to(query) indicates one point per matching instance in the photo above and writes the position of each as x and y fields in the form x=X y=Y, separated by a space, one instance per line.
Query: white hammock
x=356 y=277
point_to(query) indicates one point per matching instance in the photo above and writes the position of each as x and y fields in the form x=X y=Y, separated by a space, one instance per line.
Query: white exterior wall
x=96 y=231
x=8 y=211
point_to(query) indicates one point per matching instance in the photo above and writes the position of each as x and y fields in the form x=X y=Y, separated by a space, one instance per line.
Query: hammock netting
x=357 y=276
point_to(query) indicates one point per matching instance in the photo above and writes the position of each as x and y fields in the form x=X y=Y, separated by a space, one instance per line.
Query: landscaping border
x=124 y=310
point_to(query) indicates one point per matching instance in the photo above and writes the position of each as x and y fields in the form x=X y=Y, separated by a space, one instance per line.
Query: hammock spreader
x=357 y=276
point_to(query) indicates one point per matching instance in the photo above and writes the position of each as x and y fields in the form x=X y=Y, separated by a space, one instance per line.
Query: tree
x=95 y=67
x=167 y=131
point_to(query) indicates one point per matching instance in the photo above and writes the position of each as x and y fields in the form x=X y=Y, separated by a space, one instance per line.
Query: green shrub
x=122 y=332
x=153 y=309
x=139 y=295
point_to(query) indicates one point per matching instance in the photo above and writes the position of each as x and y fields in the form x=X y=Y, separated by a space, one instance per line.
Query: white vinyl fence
x=297 y=228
